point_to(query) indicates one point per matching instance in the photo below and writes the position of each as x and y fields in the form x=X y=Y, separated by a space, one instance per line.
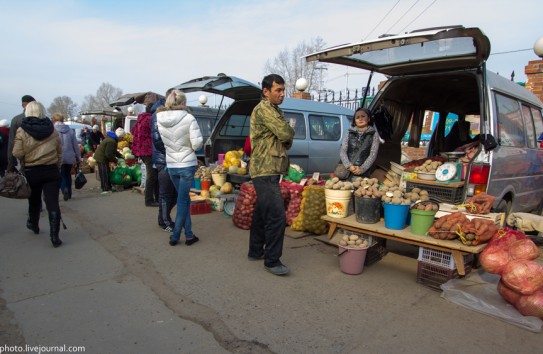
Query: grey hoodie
x=70 y=148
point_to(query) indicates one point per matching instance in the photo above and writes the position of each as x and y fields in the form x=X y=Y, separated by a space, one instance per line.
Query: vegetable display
x=295 y=191
x=354 y=241
x=245 y=206
x=511 y=254
x=312 y=208
x=480 y=203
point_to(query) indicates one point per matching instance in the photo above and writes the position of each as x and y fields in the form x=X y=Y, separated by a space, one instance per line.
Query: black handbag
x=14 y=185
x=80 y=179
x=343 y=173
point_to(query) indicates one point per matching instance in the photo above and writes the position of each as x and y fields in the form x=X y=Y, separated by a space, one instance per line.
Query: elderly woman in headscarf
x=106 y=156
x=37 y=144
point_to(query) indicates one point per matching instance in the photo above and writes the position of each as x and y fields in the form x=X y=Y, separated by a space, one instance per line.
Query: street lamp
x=301 y=84
x=538 y=47
x=203 y=100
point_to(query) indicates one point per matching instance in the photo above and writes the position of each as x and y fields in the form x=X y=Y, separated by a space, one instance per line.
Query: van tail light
x=478 y=178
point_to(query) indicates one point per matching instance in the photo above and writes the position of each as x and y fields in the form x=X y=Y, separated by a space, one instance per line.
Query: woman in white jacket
x=181 y=136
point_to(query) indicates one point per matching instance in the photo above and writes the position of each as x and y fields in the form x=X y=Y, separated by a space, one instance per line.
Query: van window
x=510 y=124
x=238 y=125
x=538 y=124
x=206 y=125
x=530 y=133
x=299 y=127
x=324 y=127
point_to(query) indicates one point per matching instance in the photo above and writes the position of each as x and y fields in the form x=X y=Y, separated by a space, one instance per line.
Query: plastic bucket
x=337 y=202
x=351 y=260
x=218 y=178
x=421 y=220
x=197 y=184
x=368 y=210
x=221 y=159
x=395 y=215
x=205 y=184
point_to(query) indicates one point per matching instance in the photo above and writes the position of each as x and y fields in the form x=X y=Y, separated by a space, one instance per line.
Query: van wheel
x=504 y=207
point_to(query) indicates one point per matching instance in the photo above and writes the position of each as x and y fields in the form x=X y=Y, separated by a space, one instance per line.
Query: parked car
x=319 y=127
x=205 y=116
x=443 y=70
x=78 y=128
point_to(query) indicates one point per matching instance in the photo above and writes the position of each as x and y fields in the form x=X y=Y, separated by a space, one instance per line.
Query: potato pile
x=398 y=195
x=353 y=241
x=219 y=169
x=426 y=205
x=428 y=166
x=203 y=173
x=335 y=183
x=367 y=188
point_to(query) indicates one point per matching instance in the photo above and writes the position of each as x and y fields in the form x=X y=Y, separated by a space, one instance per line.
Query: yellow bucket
x=218 y=178
x=337 y=202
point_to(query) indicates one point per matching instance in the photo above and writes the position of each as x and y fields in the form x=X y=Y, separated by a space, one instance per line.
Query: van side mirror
x=489 y=142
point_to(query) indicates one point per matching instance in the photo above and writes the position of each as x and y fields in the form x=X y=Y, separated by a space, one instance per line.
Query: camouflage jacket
x=271 y=137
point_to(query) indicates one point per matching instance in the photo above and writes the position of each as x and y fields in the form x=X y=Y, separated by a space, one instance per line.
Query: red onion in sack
x=531 y=305
x=524 y=249
x=509 y=295
x=523 y=276
x=494 y=259
x=245 y=205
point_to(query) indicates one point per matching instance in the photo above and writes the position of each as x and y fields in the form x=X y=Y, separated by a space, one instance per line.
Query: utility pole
x=320 y=68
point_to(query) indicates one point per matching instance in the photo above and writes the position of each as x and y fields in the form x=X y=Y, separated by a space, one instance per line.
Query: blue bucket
x=395 y=216
x=197 y=183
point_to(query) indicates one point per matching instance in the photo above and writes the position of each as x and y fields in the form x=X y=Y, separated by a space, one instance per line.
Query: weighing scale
x=450 y=172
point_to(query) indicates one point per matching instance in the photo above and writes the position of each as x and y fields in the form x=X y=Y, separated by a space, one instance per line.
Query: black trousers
x=103 y=172
x=269 y=221
x=43 y=179
x=151 y=181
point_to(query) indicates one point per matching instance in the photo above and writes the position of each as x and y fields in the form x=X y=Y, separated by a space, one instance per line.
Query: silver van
x=319 y=127
x=443 y=71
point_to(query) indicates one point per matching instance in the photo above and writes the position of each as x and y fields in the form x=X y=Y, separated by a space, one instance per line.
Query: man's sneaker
x=192 y=240
x=172 y=242
x=167 y=229
x=279 y=269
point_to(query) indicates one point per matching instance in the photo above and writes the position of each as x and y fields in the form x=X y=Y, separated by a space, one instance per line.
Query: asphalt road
x=116 y=286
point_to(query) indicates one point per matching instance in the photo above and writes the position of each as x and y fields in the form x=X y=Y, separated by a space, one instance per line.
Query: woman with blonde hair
x=181 y=136
x=37 y=144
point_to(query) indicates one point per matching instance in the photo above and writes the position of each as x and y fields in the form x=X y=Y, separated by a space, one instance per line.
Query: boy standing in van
x=271 y=136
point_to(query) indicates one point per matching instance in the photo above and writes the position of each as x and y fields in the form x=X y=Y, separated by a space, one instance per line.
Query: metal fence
x=348 y=99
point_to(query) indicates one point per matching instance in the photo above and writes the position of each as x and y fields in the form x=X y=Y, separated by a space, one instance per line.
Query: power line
x=402 y=16
x=374 y=28
x=423 y=11
x=512 y=51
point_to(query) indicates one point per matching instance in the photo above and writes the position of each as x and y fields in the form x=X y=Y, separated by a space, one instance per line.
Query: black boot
x=54 y=225
x=33 y=222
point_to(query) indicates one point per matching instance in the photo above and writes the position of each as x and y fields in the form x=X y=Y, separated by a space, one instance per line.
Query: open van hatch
x=445 y=48
x=229 y=86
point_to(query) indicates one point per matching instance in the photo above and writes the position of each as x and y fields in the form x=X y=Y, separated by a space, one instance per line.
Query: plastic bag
x=479 y=292
x=312 y=208
x=295 y=173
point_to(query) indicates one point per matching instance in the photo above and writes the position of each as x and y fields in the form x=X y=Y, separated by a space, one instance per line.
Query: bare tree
x=106 y=93
x=63 y=105
x=291 y=66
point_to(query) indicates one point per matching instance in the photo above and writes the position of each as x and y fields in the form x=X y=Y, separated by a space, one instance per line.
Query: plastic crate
x=432 y=276
x=440 y=258
x=376 y=252
x=444 y=194
x=200 y=208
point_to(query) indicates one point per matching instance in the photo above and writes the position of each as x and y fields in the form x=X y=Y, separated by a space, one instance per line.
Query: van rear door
x=421 y=51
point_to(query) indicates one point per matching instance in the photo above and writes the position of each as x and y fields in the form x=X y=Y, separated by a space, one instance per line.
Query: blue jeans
x=269 y=221
x=182 y=180
x=66 y=178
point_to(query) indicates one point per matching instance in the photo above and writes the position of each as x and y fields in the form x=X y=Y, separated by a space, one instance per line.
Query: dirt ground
x=115 y=285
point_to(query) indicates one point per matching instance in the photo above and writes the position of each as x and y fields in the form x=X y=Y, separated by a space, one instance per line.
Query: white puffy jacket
x=181 y=135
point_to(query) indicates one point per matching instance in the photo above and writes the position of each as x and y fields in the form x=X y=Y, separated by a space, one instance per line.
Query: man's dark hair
x=268 y=81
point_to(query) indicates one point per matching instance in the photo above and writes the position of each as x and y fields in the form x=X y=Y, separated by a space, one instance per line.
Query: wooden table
x=455 y=247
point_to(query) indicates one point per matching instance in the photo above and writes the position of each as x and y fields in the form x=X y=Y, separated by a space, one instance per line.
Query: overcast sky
x=69 y=48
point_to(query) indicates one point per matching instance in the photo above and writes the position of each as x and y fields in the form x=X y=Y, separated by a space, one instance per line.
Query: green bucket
x=421 y=220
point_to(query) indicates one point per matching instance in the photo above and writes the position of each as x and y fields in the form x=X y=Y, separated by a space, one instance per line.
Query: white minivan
x=319 y=127
x=443 y=70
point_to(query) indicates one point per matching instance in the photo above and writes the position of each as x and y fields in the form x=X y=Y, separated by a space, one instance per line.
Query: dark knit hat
x=27 y=99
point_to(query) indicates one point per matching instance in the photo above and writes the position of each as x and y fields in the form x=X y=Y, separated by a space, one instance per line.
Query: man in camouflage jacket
x=271 y=137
